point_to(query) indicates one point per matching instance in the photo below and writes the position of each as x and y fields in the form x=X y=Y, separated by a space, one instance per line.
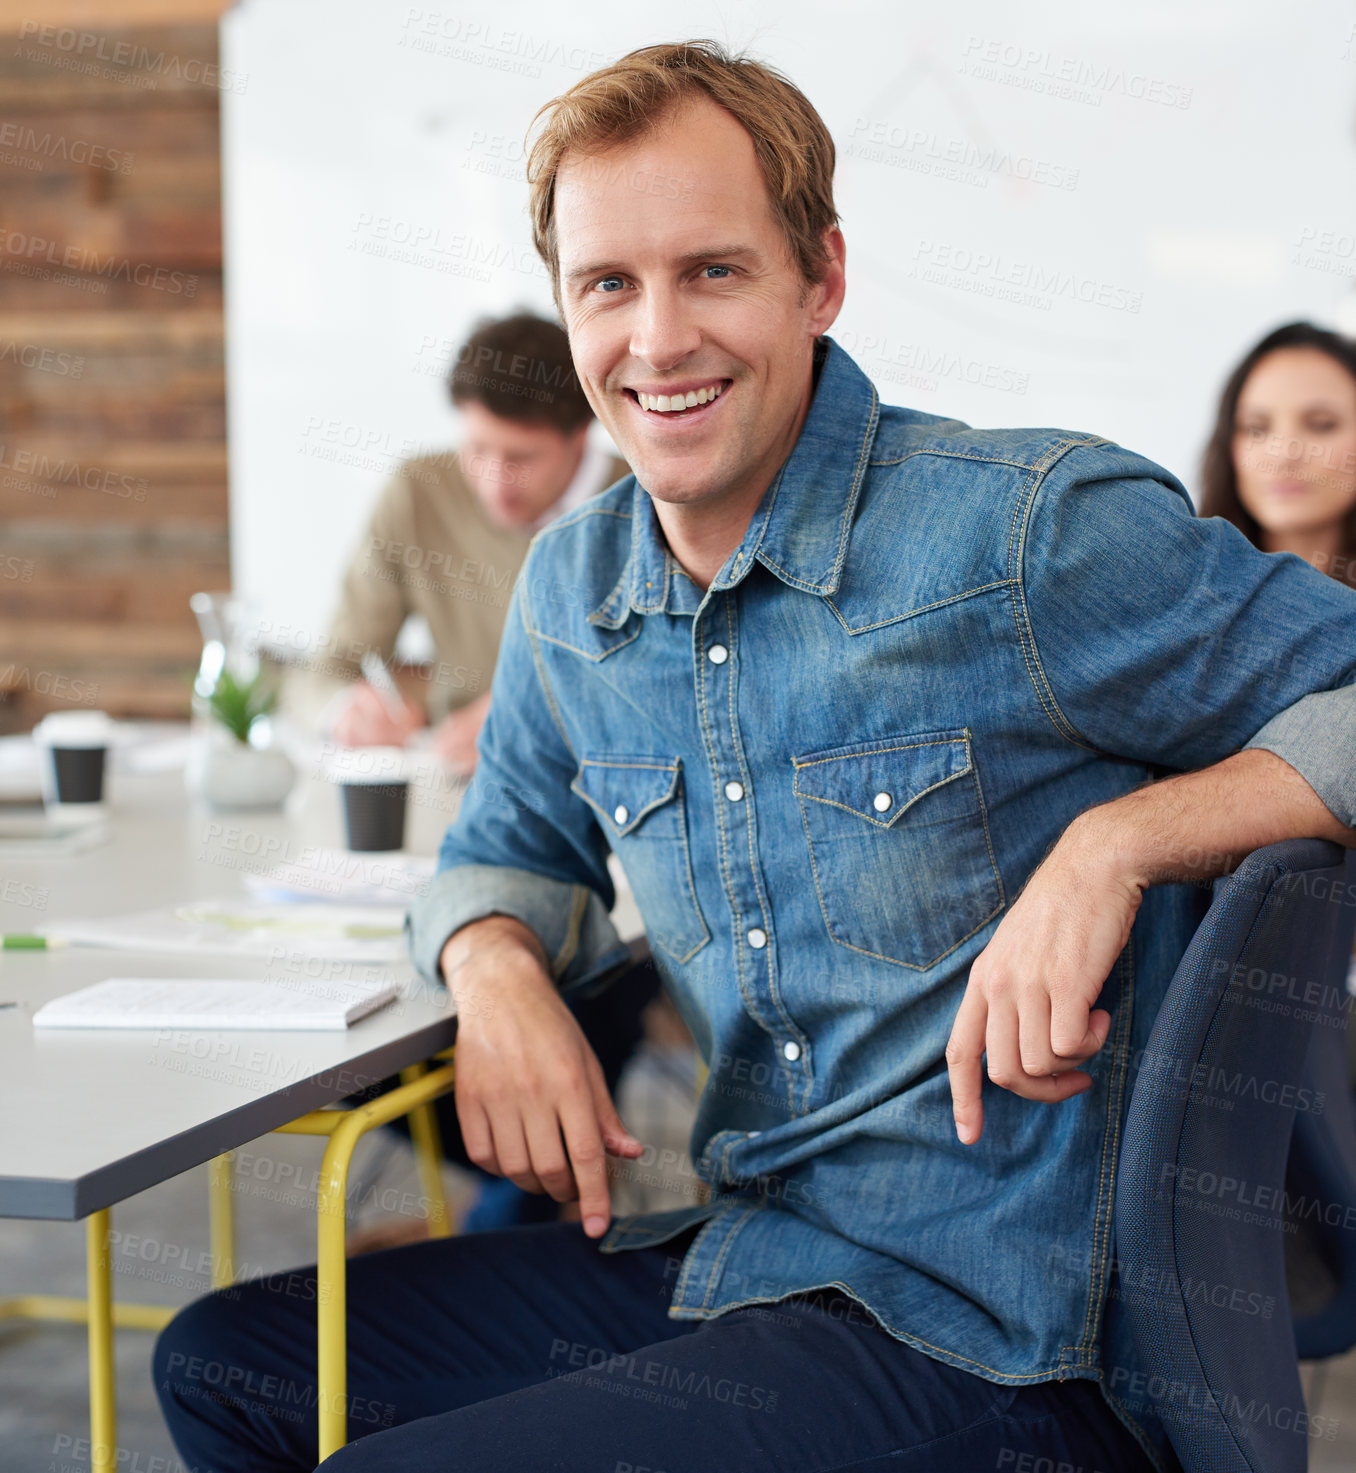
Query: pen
x=32 y=943
x=379 y=678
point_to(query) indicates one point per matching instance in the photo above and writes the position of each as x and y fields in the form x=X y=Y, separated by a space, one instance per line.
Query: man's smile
x=679 y=402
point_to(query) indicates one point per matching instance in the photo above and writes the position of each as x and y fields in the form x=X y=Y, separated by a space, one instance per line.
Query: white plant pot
x=234 y=775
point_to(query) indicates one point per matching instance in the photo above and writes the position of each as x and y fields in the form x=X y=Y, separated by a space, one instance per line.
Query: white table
x=92 y=1118
x=108 y=1114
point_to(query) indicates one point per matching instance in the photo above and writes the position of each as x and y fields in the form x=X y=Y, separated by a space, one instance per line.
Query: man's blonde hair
x=622 y=102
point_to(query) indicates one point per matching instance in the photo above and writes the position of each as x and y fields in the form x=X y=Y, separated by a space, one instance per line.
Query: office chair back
x=1244 y=1041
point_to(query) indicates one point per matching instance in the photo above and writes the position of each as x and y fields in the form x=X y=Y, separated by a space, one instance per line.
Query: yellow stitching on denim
x=892 y=960
x=663 y=798
x=568 y=947
x=1008 y=1377
x=634 y=766
x=1017 y=465
x=1021 y=465
x=854 y=491
x=1021 y=512
x=1121 y=1072
x=857 y=812
x=575 y=650
x=736 y=1227
x=1110 y=1132
x=690 y=1257
x=539 y=666
x=800 y=762
x=988 y=842
x=940 y=603
x=1025 y=631
x=692 y=891
x=635 y=817
x=849 y=501
x=576 y=516
x=1106 y=1183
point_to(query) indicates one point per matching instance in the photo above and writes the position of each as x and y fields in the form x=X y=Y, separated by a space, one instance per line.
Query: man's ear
x=826 y=295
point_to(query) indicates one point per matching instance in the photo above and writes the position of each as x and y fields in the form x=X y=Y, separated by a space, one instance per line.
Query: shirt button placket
x=742 y=883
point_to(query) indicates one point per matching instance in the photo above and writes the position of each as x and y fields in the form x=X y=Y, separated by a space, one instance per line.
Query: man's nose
x=664 y=331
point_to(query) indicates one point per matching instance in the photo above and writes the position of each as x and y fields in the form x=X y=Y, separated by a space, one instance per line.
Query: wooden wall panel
x=113 y=501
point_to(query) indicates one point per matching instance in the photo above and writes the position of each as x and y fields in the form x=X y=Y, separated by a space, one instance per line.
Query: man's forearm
x=1197 y=825
x=1029 y=1001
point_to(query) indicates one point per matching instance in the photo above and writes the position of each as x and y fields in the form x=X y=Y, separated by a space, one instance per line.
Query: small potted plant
x=242 y=769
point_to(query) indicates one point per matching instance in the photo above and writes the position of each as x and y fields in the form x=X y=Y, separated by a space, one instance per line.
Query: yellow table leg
x=103 y=1410
x=428 y=1157
x=345 y=1128
x=221 y=1219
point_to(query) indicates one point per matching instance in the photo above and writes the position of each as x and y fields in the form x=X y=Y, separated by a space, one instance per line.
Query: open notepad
x=208 y=1003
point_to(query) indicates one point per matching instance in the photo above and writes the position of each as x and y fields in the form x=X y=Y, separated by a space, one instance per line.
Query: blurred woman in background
x=1281 y=462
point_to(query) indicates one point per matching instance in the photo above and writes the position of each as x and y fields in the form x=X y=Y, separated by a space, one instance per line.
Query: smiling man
x=868 y=704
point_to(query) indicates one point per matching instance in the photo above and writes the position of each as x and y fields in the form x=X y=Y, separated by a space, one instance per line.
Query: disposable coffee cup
x=75 y=744
x=374 y=784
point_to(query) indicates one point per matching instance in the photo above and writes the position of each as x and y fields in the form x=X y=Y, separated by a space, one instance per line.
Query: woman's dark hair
x=520 y=368
x=1219 y=480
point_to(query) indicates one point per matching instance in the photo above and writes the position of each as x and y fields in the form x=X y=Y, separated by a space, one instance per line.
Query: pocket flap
x=880 y=780
x=623 y=790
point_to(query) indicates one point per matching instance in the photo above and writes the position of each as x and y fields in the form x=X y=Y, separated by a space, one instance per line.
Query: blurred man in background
x=450 y=531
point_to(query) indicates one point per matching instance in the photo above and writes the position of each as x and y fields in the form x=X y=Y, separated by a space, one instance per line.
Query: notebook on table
x=210 y=1003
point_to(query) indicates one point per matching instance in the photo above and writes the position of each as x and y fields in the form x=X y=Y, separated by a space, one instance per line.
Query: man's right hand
x=531 y=1097
x=364 y=721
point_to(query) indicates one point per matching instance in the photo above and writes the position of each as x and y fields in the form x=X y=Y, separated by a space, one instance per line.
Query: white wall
x=1193 y=188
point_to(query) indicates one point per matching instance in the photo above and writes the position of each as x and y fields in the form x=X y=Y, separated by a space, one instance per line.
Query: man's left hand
x=1029 y=1000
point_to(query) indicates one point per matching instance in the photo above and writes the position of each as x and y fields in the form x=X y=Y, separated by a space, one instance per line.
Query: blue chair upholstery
x=1240 y=1132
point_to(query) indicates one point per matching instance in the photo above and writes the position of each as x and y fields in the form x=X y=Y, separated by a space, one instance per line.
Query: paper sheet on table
x=345 y=876
x=210 y=1003
x=247 y=928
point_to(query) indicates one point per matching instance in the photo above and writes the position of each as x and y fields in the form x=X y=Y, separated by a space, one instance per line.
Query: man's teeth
x=667 y=403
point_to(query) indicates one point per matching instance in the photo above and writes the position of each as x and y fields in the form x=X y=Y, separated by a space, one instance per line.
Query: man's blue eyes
x=602 y=284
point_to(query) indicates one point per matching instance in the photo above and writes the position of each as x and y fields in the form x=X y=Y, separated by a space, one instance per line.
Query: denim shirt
x=825 y=778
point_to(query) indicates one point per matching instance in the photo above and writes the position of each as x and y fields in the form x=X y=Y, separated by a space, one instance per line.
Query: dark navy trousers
x=529 y=1351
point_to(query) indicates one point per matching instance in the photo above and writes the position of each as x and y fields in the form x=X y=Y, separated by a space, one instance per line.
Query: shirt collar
x=801 y=528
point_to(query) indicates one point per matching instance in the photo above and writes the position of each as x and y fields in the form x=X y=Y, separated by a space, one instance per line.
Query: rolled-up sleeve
x=1170 y=639
x=1317 y=737
x=523 y=844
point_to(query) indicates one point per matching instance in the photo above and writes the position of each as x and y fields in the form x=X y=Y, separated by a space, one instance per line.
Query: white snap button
x=621 y=813
x=791 y=1051
x=882 y=802
x=734 y=791
x=717 y=654
x=757 y=938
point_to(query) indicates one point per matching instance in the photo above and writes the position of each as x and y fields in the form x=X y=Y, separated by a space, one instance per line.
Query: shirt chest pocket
x=899 y=844
x=640 y=804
